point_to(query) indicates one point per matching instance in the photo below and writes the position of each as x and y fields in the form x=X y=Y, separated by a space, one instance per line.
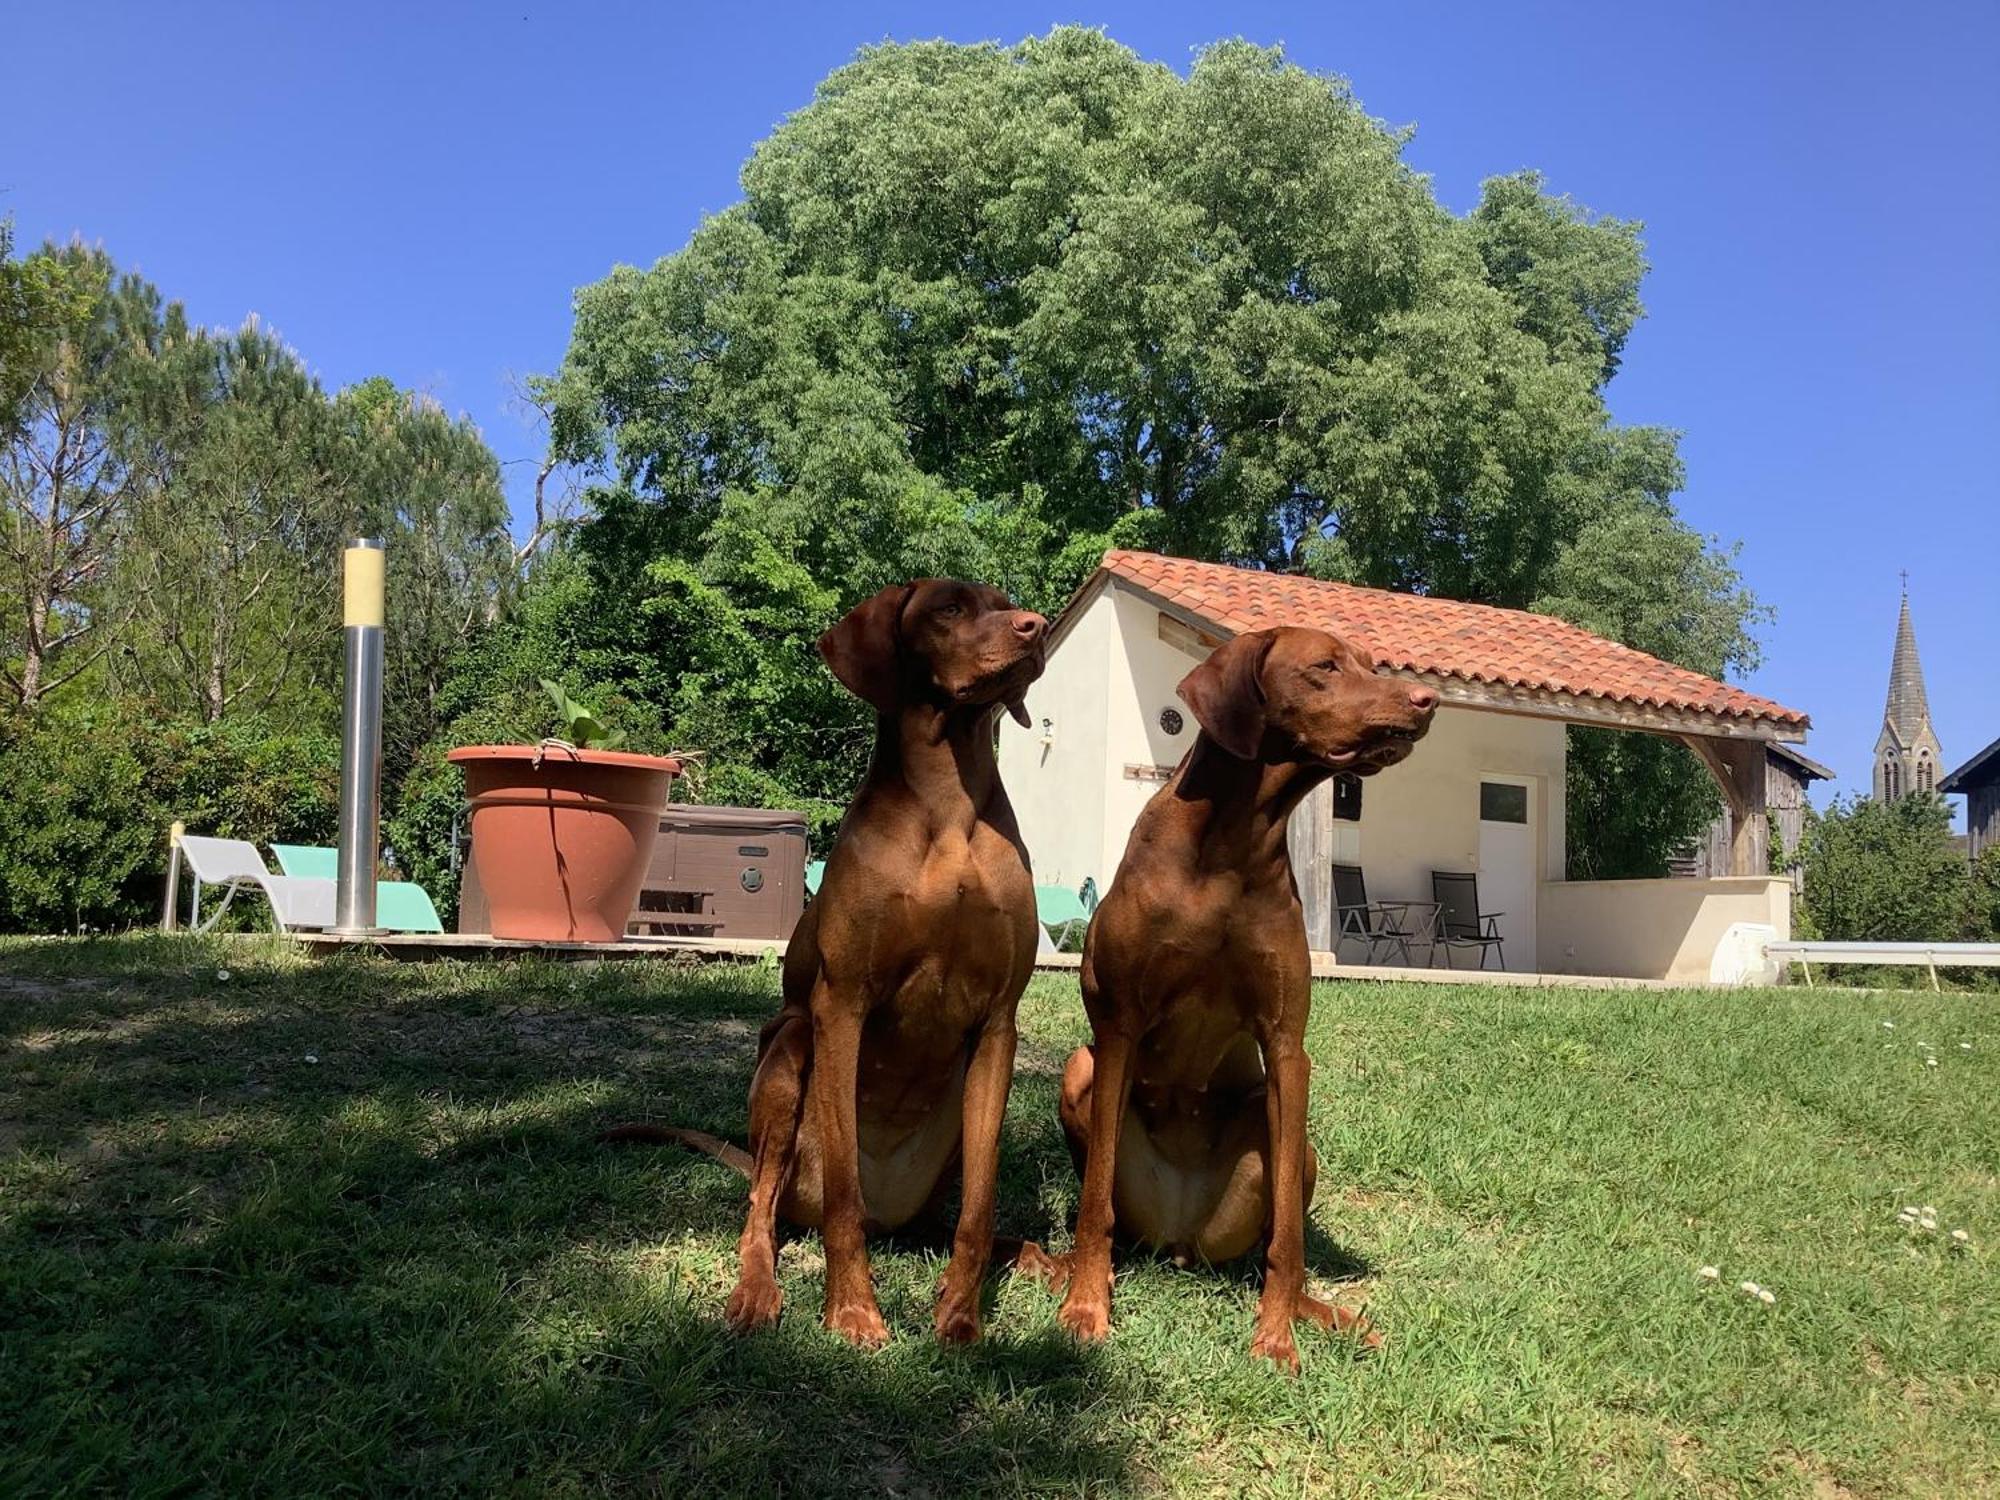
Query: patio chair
x=400 y=905
x=297 y=902
x=1380 y=926
x=1065 y=913
x=1460 y=922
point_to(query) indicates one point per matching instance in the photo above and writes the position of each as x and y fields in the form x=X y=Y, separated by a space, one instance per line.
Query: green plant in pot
x=581 y=726
x=562 y=829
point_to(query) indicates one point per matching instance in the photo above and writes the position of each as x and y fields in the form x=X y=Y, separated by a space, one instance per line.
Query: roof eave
x=1955 y=783
x=1541 y=703
x=1813 y=769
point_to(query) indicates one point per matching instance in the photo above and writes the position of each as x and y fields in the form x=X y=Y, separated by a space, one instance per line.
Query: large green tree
x=427 y=484
x=81 y=340
x=226 y=571
x=1060 y=296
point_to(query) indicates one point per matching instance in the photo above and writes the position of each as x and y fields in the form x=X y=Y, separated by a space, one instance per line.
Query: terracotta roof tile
x=1442 y=637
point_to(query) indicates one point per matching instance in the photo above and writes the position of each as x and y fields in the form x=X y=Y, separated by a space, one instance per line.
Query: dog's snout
x=1028 y=625
x=1423 y=699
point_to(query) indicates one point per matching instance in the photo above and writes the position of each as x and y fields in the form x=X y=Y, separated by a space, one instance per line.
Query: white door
x=1507 y=864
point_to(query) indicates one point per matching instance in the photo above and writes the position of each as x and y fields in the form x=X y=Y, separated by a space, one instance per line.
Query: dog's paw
x=957 y=1319
x=1052 y=1271
x=754 y=1305
x=860 y=1323
x=1087 y=1319
x=1341 y=1320
x=1276 y=1345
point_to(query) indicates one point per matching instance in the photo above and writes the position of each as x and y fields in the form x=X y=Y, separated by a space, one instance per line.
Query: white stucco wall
x=1145 y=670
x=1655 y=929
x=1424 y=814
x=1058 y=788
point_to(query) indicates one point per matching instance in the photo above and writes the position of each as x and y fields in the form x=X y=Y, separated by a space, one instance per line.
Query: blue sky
x=415 y=190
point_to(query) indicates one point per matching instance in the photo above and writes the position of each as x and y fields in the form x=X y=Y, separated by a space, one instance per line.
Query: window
x=1923 y=773
x=1347 y=799
x=1890 y=780
x=1502 y=802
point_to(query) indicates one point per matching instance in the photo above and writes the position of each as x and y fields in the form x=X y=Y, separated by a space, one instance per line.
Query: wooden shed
x=1978 y=782
x=1787 y=774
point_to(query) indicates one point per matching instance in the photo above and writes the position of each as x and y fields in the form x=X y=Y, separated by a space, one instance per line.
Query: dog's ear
x=861 y=649
x=1226 y=693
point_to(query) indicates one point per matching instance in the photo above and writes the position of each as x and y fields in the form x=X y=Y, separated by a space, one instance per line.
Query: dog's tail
x=700 y=1141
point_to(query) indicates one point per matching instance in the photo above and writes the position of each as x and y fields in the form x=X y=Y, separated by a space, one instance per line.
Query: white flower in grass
x=1888 y=1025
x=1930 y=1062
x=1748 y=1288
x=223 y=975
x=1907 y=1216
x=1766 y=1296
x=1961 y=1237
x=1709 y=1273
x=1927 y=1211
x=1927 y=1224
x=313 y=1058
x=1965 y=1046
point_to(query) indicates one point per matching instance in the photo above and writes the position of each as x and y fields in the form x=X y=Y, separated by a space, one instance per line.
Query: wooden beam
x=1739 y=769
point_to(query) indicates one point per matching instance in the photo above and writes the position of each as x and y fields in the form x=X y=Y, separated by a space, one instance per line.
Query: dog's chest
x=971 y=910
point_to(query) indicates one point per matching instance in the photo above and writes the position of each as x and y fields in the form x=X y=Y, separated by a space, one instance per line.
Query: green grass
x=226 y=1268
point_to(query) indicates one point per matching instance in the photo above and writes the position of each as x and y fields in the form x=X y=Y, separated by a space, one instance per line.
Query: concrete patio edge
x=417 y=945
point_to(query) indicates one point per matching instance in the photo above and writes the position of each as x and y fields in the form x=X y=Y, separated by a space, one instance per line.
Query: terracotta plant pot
x=561 y=837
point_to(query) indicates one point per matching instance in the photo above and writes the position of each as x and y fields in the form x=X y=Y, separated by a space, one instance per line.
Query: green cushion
x=400 y=906
x=815 y=873
x=306 y=860
x=1057 y=903
x=403 y=906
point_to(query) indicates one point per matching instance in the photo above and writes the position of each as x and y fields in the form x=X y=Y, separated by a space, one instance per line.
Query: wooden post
x=1739 y=768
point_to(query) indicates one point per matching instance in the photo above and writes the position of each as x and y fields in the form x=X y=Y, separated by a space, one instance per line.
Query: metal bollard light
x=360 y=737
x=170 y=916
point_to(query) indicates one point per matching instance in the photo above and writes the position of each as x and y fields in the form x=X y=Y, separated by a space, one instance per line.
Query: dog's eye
x=950 y=611
x=1329 y=665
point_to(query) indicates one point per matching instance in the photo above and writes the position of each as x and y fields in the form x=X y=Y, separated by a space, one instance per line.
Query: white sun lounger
x=297 y=901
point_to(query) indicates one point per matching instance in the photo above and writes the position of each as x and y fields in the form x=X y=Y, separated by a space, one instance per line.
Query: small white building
x=1483 y=792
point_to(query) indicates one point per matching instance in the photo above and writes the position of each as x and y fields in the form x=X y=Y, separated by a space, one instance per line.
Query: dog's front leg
x=1086 y=1310
x=850 y=1294
x=987 y=1080
x=1288 y=1083
x=777 y=1098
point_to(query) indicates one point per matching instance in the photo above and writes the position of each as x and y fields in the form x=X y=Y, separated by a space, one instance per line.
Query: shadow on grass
x=346 y=1226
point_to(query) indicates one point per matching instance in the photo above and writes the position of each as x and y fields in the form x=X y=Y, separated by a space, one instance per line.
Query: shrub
x=92 y=787
x=1885 y=872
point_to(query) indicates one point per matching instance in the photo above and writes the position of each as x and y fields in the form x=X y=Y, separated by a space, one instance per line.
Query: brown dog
x=891 y=1059
x=1188 y=1113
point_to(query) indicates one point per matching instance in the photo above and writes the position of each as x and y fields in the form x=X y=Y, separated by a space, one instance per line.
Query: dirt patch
x=1820 y=1481
x=12 y=987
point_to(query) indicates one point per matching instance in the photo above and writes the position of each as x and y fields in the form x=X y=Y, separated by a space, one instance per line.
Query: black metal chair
x=1460 y=922
x=1383 y=926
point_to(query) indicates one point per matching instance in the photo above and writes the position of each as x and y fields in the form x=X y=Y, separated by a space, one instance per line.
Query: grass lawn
x=323 y=1227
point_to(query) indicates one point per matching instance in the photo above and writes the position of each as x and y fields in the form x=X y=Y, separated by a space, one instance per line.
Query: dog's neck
x=943 y=756
x=1238 y=809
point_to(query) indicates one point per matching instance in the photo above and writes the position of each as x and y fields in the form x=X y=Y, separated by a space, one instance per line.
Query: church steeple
x=1907 y=753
